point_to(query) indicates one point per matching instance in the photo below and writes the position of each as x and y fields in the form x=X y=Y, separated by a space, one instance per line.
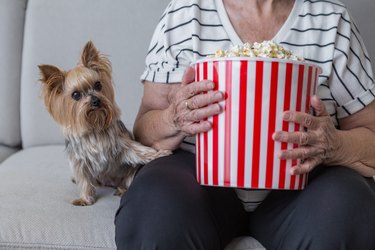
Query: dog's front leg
x=87 y=193
x=140 y=154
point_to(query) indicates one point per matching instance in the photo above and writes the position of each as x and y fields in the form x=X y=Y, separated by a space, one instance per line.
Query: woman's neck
x=257 y=20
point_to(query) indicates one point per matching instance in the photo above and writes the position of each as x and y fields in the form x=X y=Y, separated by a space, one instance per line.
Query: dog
x=101 y=151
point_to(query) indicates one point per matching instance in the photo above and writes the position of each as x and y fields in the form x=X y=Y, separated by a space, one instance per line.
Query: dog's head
x=82 y=99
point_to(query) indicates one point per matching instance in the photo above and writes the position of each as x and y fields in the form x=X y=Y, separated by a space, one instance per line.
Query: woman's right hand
x=191 y=103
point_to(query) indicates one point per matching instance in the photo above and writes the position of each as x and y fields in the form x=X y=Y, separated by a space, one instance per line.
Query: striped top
x=323 y=32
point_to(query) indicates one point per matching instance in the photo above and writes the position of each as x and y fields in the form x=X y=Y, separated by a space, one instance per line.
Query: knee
x=165 y=232
x=335 y=211
x=340 y=209
x=164 y=224
x=164 y=210
x=341 y=191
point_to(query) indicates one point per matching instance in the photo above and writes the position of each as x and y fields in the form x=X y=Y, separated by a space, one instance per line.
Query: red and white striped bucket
x=239 y=150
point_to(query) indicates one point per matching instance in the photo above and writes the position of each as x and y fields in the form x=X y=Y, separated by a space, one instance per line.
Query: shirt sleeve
x=163 y=61
x=351 y=81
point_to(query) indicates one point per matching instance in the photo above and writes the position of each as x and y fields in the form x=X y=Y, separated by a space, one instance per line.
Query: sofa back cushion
x=11 y=30
x=55 y=33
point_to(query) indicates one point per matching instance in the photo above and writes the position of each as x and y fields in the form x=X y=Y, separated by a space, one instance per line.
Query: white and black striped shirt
x=323 y=32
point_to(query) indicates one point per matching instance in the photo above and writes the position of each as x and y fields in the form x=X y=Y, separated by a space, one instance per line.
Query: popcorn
x=265 y=49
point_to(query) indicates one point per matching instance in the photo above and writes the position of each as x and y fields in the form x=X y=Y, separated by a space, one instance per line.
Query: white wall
x=363 y=12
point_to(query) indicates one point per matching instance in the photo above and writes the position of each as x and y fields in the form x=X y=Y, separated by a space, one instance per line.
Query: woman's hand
x=318 y=144
x=191 y=103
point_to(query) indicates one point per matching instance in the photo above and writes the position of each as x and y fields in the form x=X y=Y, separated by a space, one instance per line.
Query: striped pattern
x=239 y=150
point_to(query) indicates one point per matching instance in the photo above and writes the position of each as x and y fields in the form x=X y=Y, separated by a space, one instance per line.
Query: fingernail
x=279 y=155
x=286 y=116
x=219 y=96
x=292 y=171
x=220 y=108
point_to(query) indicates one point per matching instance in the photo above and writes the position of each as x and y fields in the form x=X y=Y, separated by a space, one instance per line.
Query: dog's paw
x=154 y=154
x=163 y=152
x=82 y=202
x=119 y=191
x=140 y=154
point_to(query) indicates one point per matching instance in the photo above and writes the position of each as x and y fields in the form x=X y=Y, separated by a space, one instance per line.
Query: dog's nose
x=95 y=101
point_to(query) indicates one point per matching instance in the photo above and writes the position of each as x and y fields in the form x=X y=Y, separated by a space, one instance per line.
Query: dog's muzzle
x=95 y=102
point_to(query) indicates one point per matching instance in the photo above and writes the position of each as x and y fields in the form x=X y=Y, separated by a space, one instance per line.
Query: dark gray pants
x=165 y=208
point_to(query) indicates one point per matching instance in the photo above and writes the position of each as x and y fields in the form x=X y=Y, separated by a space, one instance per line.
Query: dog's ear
x=52 y=78
x=90 y=55
x=93 y=59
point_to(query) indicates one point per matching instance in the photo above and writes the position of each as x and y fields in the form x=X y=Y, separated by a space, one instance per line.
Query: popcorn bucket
x=239 y=150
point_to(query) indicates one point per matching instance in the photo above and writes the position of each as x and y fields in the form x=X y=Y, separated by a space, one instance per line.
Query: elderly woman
x=165 y=208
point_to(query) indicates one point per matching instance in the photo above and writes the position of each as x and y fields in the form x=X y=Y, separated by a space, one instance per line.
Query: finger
x=304 y=119
x=301 y=153
x=200 y=114
x=306 y=166
x=296 y=153
x=318 y=106
x=195 y=88
x=300 y=138
x=195 y=128
x=189 y=76
x=203 y=100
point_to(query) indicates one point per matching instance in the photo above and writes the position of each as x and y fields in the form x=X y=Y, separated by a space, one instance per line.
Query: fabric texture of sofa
x=35 y=186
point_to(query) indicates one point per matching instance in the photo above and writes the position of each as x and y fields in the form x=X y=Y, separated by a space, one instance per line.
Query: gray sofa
x=35 y=186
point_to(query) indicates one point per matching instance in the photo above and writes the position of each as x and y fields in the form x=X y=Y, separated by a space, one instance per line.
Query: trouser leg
x=165 y=208
x=335 y=211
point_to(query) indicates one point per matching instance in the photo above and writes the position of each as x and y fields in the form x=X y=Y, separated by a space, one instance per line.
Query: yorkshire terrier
x=100 y=149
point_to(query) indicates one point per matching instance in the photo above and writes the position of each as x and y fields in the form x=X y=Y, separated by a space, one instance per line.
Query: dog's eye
x=76 y=95
x=97 y=86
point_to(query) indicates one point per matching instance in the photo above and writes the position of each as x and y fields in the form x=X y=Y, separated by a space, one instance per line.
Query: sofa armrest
x=11 y=29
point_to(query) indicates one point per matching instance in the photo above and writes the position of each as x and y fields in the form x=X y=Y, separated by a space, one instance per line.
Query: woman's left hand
x=318 y=144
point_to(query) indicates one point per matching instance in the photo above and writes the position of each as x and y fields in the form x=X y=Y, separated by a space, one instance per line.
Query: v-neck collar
x=234 y=37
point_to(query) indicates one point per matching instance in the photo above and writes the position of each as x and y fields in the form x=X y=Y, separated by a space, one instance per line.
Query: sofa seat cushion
x=35 y=194
x=244 y=243
x=6 y=151
x=35 y=209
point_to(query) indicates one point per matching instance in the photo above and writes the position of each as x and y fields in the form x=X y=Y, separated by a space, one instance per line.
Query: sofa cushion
x=11 y=29
x=244 y=243
x=55 y=33
x=35 y=194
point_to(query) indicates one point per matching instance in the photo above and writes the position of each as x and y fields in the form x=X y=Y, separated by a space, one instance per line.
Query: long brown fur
x=100 y=149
